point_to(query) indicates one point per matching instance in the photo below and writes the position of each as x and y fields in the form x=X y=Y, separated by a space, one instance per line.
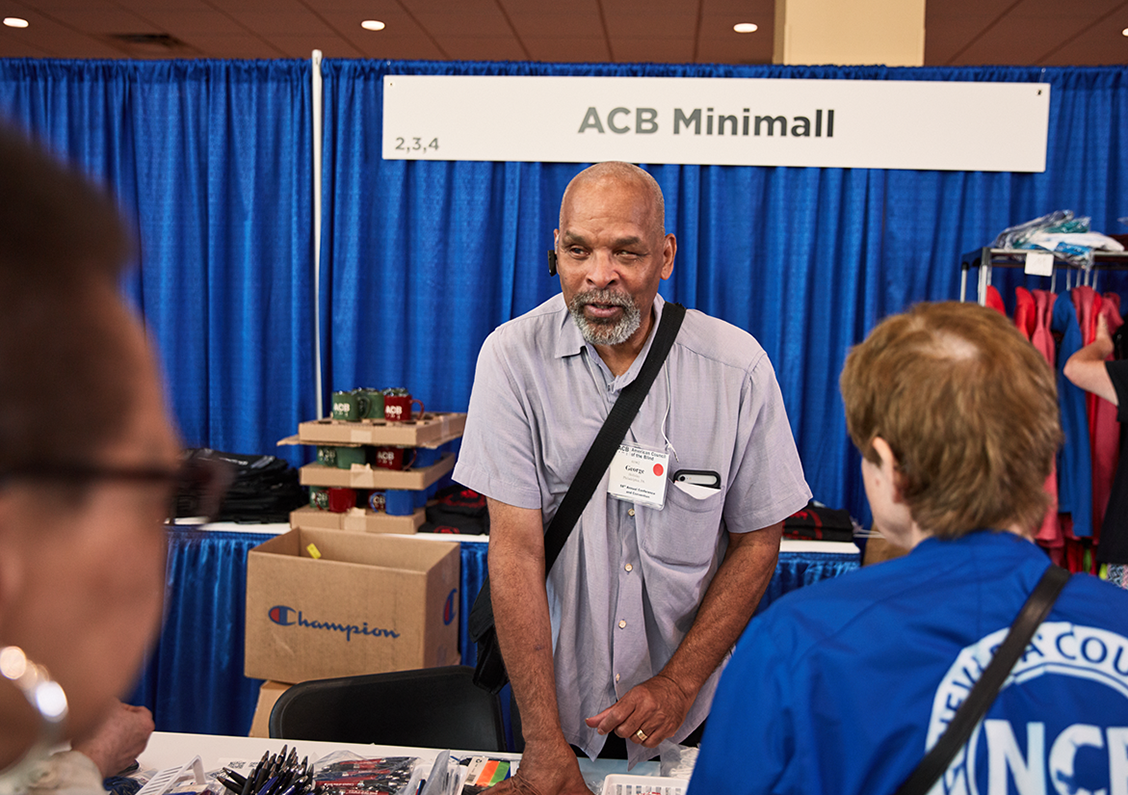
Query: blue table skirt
x=194 y=680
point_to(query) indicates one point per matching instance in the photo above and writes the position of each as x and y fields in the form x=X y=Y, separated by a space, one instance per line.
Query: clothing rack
x=987 y=258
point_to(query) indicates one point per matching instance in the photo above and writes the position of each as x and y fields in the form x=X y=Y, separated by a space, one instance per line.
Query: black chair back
x=429 y=707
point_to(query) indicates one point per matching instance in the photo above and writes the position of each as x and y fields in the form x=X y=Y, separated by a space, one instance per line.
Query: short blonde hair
x=968 y=407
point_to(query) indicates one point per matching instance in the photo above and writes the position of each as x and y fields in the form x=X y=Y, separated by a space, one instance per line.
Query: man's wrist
x=686 y=690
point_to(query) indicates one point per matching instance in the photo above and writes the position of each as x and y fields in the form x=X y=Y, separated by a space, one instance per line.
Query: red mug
x=342 y=500
x=397 y=408
x=393 y=457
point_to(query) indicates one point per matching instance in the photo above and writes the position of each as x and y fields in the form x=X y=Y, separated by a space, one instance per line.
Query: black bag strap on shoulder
x=983 y=693
x=607 y=441
x=489 y=673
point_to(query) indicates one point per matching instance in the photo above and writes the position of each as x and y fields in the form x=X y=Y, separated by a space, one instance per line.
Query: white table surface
x=786 y=545
x=171 y=749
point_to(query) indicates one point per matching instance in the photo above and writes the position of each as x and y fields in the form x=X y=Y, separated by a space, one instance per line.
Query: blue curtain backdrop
x=422 y=259
x=212 y=162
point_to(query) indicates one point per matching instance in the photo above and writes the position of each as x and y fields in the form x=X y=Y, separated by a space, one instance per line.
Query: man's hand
x=657 y=707
x=546 y=770
x=119 y=740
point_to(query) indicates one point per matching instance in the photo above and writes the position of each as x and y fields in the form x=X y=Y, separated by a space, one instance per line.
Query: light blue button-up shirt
x=626 y=587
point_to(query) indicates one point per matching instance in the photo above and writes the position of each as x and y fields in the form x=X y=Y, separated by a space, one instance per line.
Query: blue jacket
x=1075 y=465
x=842 y=686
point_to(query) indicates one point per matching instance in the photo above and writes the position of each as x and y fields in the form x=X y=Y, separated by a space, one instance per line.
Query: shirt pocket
x=685 y=532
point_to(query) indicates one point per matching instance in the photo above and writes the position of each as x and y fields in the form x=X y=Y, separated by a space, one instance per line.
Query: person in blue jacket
x=842 y=687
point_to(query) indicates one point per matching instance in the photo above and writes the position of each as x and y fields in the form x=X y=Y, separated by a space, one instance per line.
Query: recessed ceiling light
x=15 y=22
x=745 y=27
x=1124 y=32
x=372 y=24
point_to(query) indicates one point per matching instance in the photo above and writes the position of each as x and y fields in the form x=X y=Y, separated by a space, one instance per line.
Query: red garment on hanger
x=1049 y=534
x=1024 y=311
x=995 y=299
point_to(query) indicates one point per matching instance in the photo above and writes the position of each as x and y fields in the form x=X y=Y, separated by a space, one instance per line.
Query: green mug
x=319 y=497
x=327 y=456
x=351 y=406
x=375 y=408
x=347 y=456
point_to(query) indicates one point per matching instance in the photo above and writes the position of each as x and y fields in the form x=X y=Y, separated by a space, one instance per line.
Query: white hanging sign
x=950 y=126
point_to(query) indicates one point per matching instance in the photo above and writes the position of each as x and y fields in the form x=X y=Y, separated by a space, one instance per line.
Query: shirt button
x=630 y=512
x=628 y=567
x=622 y=625
x=616 y=677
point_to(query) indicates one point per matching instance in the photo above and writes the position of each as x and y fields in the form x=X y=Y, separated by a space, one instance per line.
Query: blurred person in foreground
x=843 y=686
x=88 y=460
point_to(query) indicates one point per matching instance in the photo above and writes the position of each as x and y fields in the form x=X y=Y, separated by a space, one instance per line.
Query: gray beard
x=599 y=332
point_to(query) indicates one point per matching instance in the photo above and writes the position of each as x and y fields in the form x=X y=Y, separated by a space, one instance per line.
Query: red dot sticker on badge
x=658 y=470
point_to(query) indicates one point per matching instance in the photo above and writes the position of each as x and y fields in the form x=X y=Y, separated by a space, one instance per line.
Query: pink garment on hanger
x=1049 y=534
x=1114 y=299
x=1088 y=303
x=995 y=299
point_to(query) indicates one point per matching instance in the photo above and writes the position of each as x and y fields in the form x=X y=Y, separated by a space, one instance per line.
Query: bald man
x=622 y=647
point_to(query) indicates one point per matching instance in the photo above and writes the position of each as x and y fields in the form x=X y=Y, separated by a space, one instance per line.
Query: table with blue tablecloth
x=194 y=680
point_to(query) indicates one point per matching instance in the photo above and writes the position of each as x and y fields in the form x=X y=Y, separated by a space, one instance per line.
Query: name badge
x=639 y=476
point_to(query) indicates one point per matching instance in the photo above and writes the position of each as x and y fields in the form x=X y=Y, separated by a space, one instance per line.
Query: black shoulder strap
x=983 y=693
x=607 y=441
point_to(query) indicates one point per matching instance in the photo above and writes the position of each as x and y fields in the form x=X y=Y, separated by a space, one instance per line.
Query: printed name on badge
x=639 y=475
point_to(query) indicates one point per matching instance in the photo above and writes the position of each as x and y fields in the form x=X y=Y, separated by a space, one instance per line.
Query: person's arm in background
x=118 y=740
x=1086 y=368
x=524 y=631
x=109 y=750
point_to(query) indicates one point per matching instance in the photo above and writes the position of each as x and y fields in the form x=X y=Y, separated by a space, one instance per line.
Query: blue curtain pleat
x=474 y=569
x=212 y=161
x=194 y=679
x=798 y=569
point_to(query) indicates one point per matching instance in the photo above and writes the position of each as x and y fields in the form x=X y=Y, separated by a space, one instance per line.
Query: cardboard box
x=370 y=603
x=366 y=476
x=432 y=430
x=358 y=520
x=269 y=693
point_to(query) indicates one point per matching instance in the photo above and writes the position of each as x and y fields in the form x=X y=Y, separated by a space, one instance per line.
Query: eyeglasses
x=200 y=483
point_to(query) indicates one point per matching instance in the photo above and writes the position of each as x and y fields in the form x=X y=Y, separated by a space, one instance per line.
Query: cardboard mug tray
x=366 y=476
x=431 y=430
x=359 y=520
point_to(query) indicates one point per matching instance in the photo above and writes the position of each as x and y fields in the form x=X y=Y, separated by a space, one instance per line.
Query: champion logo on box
x=285 y=616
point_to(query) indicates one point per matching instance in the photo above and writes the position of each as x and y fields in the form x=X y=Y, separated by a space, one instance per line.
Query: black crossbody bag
x=490 y=674
x=983 y=692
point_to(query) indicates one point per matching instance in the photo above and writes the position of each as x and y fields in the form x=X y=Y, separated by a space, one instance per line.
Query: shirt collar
x=570 y=342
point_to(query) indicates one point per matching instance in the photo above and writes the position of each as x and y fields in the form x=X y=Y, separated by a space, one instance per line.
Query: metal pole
x=317 y=103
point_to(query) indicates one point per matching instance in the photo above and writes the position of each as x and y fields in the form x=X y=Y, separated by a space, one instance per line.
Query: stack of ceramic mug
x=389 y=405
x=395 y=502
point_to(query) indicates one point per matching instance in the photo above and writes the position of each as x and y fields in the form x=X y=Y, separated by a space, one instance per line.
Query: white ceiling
x=957 y=32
